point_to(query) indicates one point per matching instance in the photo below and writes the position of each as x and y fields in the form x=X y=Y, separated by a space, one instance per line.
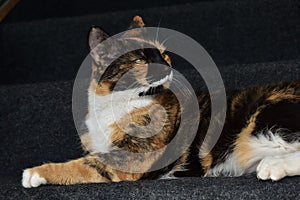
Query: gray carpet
x=246 y=187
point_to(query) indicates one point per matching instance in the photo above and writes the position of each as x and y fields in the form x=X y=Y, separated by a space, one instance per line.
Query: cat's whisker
x=157 y=31
x=133 y=85
x=149 y=78
x=179 y=85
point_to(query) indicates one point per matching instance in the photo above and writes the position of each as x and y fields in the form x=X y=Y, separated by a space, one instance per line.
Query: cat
x=261 y=133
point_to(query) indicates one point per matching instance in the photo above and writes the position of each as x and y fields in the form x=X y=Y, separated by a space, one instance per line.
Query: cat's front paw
x=32 y=179
x=271 y=168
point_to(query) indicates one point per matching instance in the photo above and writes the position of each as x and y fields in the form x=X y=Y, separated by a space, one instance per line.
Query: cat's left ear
x=101 y=52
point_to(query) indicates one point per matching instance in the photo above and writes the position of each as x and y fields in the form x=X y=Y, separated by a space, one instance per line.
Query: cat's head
x=146 y=71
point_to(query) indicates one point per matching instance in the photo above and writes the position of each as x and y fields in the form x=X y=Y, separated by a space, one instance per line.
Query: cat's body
x=261 y=132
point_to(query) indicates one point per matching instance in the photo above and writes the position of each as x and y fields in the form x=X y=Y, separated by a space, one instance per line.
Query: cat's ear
x=96 y=36
x=101 y=52
x=137 y=22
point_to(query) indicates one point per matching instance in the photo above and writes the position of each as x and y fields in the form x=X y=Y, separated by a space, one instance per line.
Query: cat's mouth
x=157 y=86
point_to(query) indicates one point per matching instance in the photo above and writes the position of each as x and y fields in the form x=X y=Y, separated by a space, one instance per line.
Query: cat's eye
x=138 y=61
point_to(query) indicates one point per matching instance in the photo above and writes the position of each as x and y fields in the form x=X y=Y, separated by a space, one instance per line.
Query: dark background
x=42 y=41
x=28 y=10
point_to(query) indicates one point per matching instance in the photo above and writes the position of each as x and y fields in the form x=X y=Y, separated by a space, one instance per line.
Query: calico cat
x=261 y=132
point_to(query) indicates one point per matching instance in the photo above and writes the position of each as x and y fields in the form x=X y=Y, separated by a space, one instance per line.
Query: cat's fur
x=261 y=133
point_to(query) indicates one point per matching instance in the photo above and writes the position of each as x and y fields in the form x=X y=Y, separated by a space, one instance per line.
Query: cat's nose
x=162 y=62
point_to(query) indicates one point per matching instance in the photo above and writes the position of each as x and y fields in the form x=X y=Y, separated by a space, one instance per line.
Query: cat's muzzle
x=158 y=86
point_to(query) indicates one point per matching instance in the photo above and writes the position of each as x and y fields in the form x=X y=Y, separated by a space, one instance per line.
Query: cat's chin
x=158 y=86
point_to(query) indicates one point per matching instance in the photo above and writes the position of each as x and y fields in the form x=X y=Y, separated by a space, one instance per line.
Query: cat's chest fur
x=105 y=110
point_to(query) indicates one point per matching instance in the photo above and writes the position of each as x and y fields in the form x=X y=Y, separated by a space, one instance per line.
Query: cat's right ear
x=98 y=52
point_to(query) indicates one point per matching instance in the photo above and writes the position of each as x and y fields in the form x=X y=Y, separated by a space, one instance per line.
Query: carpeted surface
x=37 y=126
x=246 y=187
x=252 y=43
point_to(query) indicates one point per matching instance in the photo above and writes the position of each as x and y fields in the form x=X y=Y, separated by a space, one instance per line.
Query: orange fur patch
x=139 y=20
x=117 y=134
x=206 y=162
x=167 y=59
x=279 y=96
x=242 y=149
x=102 y=88
x=86 y=142
x=128 y=176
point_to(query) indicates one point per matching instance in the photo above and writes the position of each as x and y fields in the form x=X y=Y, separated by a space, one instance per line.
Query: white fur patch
x=169 y=175
x=32 y=180
x=163 y=80
x=108 y=109
x=270 y=145
x=228 y=168
x=277 y=167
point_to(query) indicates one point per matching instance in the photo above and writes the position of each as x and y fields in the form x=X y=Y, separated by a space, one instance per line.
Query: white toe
x=26 y=179
x=32 y=180
x=36 y=180
x=271 y=168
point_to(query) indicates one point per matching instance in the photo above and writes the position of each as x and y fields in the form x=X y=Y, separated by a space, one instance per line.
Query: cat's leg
x=83 y=170
x=72 y=172
x=277 y=167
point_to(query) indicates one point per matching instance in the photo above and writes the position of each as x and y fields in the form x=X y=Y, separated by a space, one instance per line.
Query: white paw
x=273 y=168
x=32 y=179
